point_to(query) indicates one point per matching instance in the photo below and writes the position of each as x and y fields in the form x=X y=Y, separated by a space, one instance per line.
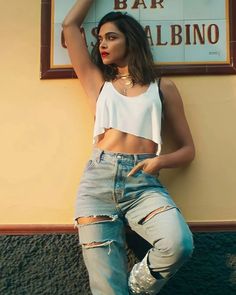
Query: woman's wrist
x=181 y=157
x=159 y=162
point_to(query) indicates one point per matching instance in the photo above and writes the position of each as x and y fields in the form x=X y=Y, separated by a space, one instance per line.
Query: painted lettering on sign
x=176 y=30
x=178 y=35
x=188 y=34
x=122 y=4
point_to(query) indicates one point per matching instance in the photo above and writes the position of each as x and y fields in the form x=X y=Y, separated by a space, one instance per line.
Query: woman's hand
x=150 y=166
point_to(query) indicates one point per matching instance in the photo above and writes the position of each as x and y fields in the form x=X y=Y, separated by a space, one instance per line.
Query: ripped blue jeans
x=139 y=201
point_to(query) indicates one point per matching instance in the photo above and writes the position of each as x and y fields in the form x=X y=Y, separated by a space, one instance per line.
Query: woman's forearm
x=176 y=159
x=77 y=13
x=180 y=157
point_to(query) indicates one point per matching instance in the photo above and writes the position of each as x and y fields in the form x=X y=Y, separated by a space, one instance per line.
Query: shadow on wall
x=52 y=264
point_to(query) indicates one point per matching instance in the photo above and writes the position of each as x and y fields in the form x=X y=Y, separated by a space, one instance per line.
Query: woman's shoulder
x=166 y=84
x=169 y=89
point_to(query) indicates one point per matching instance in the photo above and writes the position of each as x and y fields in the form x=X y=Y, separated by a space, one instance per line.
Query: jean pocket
x=148 y=174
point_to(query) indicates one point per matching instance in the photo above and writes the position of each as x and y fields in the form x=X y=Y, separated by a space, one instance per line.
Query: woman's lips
x=104 y=54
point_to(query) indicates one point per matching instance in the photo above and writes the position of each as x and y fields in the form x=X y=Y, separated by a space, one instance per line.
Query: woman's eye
x=111 y=37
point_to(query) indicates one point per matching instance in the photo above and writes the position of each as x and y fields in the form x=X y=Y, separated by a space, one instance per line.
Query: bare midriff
x=117 y=141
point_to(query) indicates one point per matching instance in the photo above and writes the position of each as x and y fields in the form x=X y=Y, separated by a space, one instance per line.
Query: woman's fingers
x=149 y=166
x=136 y=168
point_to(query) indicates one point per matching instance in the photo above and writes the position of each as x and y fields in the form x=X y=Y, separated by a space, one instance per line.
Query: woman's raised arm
x=90 y=76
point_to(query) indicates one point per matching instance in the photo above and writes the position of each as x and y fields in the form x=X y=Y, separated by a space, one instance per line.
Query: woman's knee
x=175 y=250
x=184 y=248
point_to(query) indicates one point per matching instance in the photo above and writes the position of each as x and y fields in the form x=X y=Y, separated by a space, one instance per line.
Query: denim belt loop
x=135 y=159
x=99 y=156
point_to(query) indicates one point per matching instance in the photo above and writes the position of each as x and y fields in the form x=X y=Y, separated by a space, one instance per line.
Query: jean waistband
x=99 y=154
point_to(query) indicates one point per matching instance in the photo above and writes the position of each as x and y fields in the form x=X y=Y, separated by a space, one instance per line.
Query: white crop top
x=139 y=115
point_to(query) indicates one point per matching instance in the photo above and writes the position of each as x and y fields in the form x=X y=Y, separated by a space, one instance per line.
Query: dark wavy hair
x=140 y=60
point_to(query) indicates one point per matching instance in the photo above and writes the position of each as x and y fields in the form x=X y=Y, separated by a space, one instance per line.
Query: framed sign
x=186 y=36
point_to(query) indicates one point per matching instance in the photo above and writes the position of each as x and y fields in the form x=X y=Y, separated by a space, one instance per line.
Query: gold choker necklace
x=126 y=81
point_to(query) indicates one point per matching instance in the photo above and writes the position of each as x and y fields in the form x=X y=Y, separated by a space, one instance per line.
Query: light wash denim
x=106 y=190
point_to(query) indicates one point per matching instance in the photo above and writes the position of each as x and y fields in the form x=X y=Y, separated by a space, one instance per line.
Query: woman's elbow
x=191 y=153
x=68 y=23
x=65 y=24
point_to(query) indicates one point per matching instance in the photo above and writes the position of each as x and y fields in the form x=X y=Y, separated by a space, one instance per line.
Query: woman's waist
x=117 y=141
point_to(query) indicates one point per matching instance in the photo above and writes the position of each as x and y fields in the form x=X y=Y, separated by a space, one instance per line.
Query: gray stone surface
x=53 y=265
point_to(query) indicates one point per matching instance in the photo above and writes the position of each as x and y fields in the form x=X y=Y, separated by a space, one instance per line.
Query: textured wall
x=46 y=134
x=52 y=264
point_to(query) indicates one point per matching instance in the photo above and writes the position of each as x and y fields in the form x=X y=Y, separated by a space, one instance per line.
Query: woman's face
x=112 y=45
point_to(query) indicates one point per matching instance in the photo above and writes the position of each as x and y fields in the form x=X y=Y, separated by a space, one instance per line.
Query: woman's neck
x=123 y=70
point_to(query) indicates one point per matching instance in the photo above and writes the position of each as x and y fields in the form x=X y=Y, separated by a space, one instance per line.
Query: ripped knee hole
x=155 y=212
x=97 y=245
x=92 y=219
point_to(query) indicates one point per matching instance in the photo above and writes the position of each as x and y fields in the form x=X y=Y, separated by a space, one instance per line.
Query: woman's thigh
x=156 y=218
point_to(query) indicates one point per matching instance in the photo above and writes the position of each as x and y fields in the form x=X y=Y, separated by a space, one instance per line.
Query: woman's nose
x=103 y=44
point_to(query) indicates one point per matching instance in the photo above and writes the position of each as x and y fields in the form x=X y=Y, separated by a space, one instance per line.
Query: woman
x=119 y=186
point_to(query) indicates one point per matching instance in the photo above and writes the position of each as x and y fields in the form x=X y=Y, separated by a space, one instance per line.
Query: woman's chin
x=106 y=62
